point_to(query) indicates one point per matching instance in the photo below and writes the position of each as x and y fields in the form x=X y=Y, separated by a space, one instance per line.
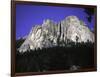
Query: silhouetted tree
x=89 y=12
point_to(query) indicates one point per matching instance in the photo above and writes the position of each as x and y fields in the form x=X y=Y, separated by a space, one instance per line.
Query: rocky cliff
x=51 y=34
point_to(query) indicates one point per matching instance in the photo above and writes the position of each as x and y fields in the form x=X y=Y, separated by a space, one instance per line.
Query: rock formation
x=51 y=34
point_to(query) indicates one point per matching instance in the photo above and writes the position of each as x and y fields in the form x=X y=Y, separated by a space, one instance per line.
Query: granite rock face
x=51 y=34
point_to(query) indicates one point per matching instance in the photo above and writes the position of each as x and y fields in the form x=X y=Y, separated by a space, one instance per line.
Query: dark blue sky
x=31 y=15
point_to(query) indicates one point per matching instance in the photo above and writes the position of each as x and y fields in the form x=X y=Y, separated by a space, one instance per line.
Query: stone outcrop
x=51 y=34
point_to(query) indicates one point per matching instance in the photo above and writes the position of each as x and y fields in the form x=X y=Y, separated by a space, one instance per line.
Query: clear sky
x=28 y=16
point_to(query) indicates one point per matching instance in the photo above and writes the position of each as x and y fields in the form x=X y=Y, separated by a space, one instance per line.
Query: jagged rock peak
x=51 y=34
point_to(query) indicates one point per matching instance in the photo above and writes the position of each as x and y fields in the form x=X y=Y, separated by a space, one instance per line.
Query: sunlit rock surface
x=51 y=34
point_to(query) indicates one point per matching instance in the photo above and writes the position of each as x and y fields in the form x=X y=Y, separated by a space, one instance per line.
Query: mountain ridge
x=51 y=34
